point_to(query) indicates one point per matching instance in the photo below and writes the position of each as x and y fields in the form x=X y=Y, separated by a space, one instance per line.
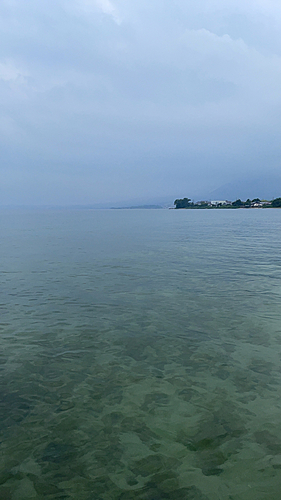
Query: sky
x=106 y=101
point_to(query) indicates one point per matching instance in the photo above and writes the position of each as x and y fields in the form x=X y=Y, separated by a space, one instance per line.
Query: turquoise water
x=140 y=355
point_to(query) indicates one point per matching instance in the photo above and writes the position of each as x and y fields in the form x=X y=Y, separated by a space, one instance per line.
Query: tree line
x=256 y=202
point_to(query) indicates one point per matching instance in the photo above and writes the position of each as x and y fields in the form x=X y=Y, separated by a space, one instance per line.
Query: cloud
x=222 y=57
x=175 y=93
x=10 y=72
x=92 y=7
x=108 y=8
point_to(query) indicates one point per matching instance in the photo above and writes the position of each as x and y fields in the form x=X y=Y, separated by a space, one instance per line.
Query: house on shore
x=218 y=203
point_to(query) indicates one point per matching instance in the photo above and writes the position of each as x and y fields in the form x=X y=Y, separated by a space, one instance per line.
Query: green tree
x=183 y=203
x=276 y=203
x=238 y=203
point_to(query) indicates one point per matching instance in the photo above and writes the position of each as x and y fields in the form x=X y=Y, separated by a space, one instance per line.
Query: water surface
x=140 y=354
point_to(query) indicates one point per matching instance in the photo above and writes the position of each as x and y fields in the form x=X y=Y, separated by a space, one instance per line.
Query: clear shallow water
x=140 y=355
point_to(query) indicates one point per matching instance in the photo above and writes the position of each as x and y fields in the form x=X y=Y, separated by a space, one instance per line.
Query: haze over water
x=140 y=355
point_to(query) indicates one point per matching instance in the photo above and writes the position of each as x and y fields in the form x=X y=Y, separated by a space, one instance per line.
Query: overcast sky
x=112 y=100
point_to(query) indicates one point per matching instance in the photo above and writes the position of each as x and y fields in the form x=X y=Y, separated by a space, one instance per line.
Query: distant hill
x=264 y=187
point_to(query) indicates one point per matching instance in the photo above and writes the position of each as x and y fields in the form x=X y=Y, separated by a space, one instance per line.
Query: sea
x=140 y=354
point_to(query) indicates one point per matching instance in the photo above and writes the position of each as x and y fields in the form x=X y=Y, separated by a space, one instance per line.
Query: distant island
x=221 y=204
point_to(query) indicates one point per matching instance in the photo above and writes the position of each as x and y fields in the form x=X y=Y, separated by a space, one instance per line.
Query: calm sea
x=140 y=354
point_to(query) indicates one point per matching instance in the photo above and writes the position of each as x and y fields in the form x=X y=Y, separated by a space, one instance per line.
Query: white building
x=220 y=202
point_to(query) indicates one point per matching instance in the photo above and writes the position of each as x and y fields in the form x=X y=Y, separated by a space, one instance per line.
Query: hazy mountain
x=263 y=187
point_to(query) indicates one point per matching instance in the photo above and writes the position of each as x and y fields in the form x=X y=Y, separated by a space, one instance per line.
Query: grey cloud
x=103 y=99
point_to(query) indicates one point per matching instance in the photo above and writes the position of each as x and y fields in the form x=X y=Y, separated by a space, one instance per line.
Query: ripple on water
x=143 y=367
